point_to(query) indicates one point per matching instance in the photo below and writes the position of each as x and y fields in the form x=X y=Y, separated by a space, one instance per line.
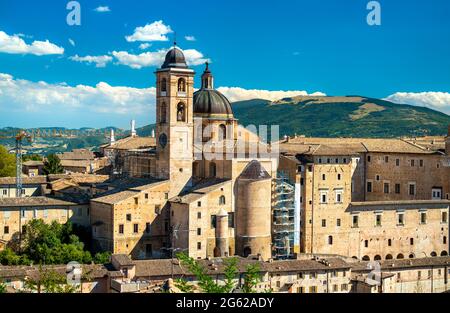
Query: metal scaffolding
x=283 y=215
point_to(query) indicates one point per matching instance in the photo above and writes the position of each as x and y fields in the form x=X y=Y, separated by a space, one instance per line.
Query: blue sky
x=314 y=46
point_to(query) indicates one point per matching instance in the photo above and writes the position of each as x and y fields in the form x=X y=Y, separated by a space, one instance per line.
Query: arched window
x=247 y=252
x=222 y=132
x=366 y=258
x=181 y=85
x=433 y=254
x=411 y=256
x=181 y=112
x=330 y=240
x=400 y=256
x=222 y=200
x=389 y=257
x=389 y=242
x=354 y=257
x=377 y=258
x=163 y=85
x=212 y=169
x=163 y=113
x=444 y=253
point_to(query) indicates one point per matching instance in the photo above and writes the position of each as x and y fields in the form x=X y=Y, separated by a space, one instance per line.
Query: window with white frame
x=324 y=197
x=436 y=193
x=339 y=196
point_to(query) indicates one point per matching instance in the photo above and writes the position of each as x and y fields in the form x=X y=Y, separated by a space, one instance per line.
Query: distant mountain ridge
x=346 y=116
x=318 y=116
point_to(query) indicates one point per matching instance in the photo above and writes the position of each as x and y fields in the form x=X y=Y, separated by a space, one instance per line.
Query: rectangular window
x=386 y=159
x=355 y=221
x=423 y=218
x=300 y=276
x=397 y=188
x=121 y=228
x=378 y=220
x=24 y=229
x=401 y=219
x=419 y=274
x=301 y=289
x=5 y=192
x=231 y=219
x=412 y=163
x=199 y=204
x=369 y=186
x=6 y=230
x=338 y=222
x=412 y=189
x=444 y=217
x=397 y=162
x=314 y=275
x=386 y=187
x=199 y=215
x=313 y=289
x=339 y=196
x=344 y=287
x=213 y=221
x=148 y=228
x=136 y=228
x=368 y=158
x=199 y=231
x=199 y=246
x=421 y=163
x=323 y=197
x=146 y=196
x=335 y=288
x=129 y=217
x=324 y=223
x=136 y=200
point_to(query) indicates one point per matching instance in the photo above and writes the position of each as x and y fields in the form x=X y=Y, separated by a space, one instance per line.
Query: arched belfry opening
x=181 y=112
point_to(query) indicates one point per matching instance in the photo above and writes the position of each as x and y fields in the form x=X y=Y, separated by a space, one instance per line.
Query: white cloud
x=155 y=31
x=144 y=46
x=42 y=97
x=16 y=45
x=100 y=61
x=239 y=94
x=72 y=42
x=146 y=59
x=434 y=100
x=190 y=38
x=102 y=9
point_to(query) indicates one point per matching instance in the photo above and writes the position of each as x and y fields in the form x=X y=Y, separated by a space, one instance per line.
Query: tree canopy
x=7 y=163
x=53 y=165
x=49 y=244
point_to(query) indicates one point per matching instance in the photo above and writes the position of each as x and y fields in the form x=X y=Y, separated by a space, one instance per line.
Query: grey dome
x=254 y=171
x=175 y=59
x=211 y=102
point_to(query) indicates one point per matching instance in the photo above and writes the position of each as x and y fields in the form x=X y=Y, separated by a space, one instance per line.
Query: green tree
x=49 y=281
x=53 y=165
x=251 y=278
x=2 y=288
x=7 y=163
x=208 y=285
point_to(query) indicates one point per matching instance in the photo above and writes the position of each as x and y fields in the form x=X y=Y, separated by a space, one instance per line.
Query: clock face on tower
x=163 y=140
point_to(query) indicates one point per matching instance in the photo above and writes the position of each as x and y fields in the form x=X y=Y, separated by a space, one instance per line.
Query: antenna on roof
x=175 y=39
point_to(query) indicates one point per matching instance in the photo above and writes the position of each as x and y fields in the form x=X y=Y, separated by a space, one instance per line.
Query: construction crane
x=22 y=135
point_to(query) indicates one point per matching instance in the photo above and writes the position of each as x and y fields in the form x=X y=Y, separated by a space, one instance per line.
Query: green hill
x=351 y=116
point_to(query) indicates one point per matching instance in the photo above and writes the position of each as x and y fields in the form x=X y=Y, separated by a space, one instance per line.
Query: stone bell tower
x=174 y=121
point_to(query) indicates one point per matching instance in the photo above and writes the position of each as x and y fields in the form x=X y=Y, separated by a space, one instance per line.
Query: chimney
x=133 y=128
x=113 y=139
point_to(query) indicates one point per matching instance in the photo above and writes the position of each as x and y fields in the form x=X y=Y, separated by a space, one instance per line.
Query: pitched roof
x=132 y=142
x=36 y=180
x=200 y=190
x=118 y=195
x=77 y=154
x=349 y=146
x=404 y=263
x=33 y=201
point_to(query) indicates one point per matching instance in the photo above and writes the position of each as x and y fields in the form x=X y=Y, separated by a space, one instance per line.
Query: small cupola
x=207 y=78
